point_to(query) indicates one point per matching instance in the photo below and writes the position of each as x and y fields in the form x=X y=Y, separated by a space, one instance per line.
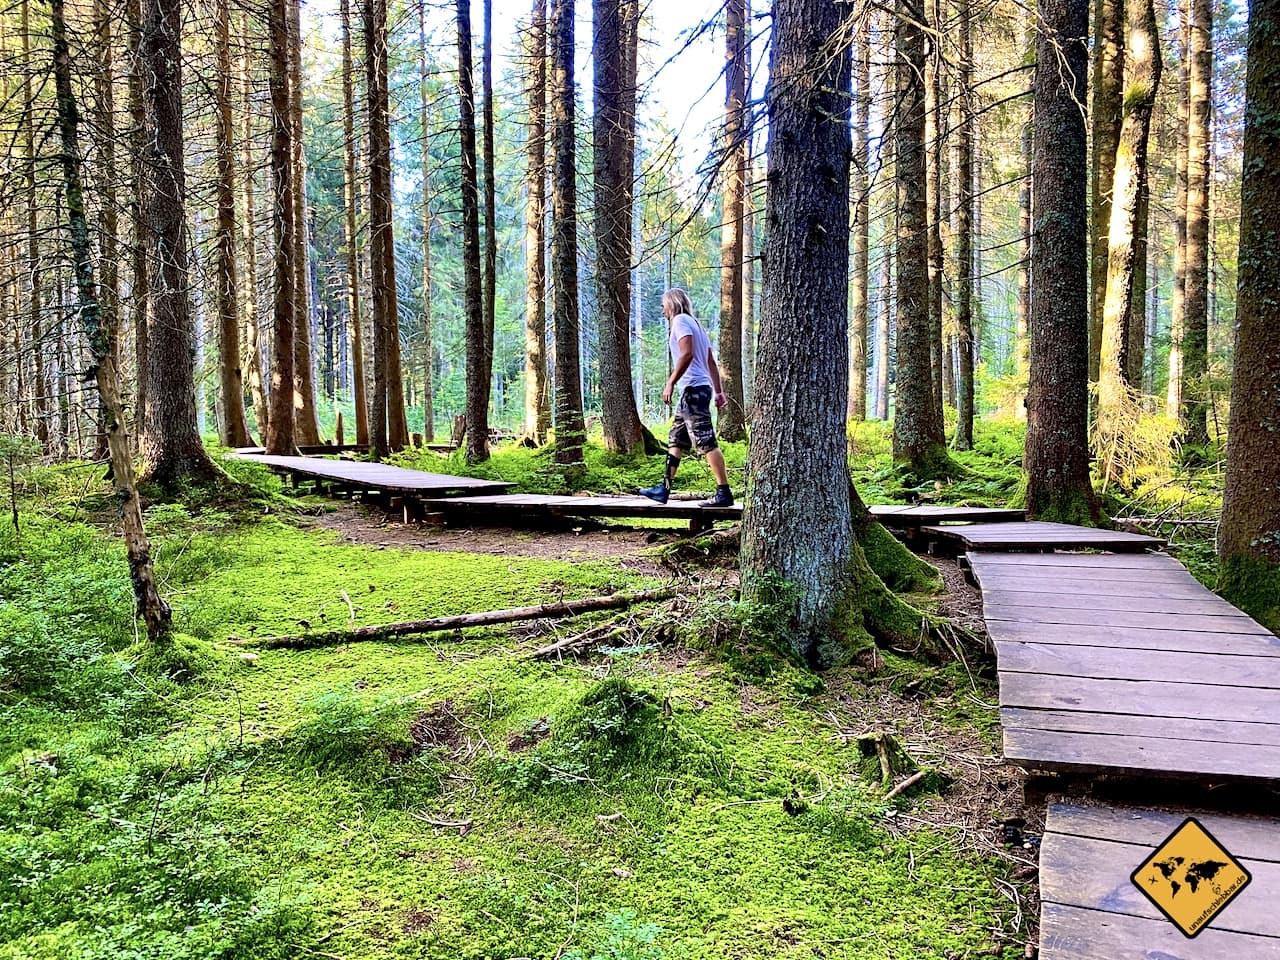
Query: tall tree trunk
x=537 y=404
x=1142 y=77
x=964 y=236
x=732 y=424
x=1022 y=310
x=1249 y=535
x=171 y=447
x=861 y=189
x=1195 y=349
x=389 y=428
x=35 y=300
x=231 y=419
x=1136 y=356
x=935 y=124
x=1108 y=85
x=613 y=128
x=109 y=293
x=281 y=436
x=428 y=346
x=351 y=237
x=918 y=438
x=139 y=282
x=478 y=383
x=1057 y=453
x=306 y=424
x=253 y=352
x=570 y=426
x=101 y=340
x=1177 y=306
x=490 y=195
x=884 y=333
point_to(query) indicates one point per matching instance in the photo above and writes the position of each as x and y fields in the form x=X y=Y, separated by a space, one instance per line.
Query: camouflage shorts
x=692 y=426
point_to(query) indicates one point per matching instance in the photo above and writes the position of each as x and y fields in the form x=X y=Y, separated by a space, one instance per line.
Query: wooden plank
x=1075 y=579
x=1137 y=638
x=1206 y=604
x=1068 y=660
x=1255 y=837
x=1141 y=561
x=1073 y=933
x=1094 y=874
x=540 y=505
x=1235 y=623
x=378 y=475
x=1152 y=698
x=910 y=516
x=1118 y=753
x=1124 y=724
x=1037 y=535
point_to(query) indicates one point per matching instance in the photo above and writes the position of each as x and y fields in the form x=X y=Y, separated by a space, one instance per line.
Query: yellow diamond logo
x=1191 y=877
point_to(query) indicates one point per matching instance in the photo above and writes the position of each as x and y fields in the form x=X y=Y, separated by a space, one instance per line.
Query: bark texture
x=477 y=344
x=1106 y=115
x=964 y=239
x=306 y=424
x=570 y=426
x=171 y=446
x=351 y=243
x=613 y=128
x=280 y=437
x=860 y=188
x=732 y=420
x=1057 y=452
x=537 y=404
x=1195 y=348
x=428 y=344
x=1249 y=535
x=919 y=442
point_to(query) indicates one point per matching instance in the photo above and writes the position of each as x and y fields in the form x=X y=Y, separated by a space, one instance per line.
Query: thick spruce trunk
x=477 y=380
x=537 y=404
x=732 y=420
x=350 y=236
x=1057 y=452
x=1195 y=348
x=280 y=435
x=171 y=446
x=1106 y=116
x=613 y=128
x=1249 y=536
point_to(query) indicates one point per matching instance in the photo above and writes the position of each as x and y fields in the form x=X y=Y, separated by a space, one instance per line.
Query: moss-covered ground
x=442 y=798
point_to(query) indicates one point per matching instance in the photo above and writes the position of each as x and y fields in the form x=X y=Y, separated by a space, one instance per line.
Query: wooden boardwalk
x=1090 y=910
x=1035 y=535
x=359 y=475
x=516 y=507
x=1126 y=664
x=918 y=515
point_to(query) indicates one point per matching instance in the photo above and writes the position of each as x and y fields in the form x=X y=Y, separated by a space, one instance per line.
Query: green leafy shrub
x=622 y=936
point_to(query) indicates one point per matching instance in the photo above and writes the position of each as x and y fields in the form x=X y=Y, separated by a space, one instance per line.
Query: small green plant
x=623 y=936
x=17 y=452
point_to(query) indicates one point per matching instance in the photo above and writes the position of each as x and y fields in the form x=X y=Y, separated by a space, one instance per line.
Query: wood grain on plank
x=1053 y=749
x=1074 y=933
x=1152 y=698
x=1257 y=838
x=1206 y=604
x=1232 y=623
x=1094 y=561
x=1127 y=724
x=1067 y=660
x=1136 y=638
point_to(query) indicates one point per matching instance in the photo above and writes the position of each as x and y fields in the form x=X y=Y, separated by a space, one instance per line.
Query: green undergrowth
x=447 y=797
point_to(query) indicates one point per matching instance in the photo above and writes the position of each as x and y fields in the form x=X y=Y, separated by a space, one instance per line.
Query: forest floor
x=450 y=796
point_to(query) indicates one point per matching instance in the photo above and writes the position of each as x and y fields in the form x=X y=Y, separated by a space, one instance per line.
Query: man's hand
x=667 y=391
x=721 y=401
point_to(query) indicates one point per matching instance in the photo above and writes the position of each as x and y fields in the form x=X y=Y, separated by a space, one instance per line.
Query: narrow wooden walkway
x=1090 y=909
x=1126 y=663
x=917 y=515
x=1036 y=535
x=359 y=475
x=516 y=507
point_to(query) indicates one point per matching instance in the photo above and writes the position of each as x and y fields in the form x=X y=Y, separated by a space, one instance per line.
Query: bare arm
x=679 y=367
x=715 y=379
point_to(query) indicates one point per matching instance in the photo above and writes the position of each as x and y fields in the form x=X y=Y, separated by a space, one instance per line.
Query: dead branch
x=383 y=631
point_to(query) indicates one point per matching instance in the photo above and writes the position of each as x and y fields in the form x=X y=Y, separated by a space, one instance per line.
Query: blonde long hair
x=675 y=302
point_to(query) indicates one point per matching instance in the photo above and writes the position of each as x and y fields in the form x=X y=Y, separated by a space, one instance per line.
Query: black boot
x=723 y=497
x=662 y=491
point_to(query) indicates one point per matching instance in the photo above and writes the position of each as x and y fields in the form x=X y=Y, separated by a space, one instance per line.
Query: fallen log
x=383 y=631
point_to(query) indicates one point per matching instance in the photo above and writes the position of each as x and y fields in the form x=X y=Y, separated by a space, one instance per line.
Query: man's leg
x=715 y=460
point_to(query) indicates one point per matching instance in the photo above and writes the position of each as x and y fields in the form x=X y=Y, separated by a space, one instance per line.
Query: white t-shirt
x=698 y=374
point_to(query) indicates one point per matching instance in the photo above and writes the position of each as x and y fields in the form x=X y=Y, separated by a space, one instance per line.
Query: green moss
x=1253 y=585
x=899 y=568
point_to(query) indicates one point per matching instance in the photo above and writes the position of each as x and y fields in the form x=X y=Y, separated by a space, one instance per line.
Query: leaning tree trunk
x=280 y=435
x=389 y=429
x=1195 y=348
x=1116 y=395
x=1057 y=453
x=1249 y=535
x=306 y=424
x=857 y=407
x=919 y=442
x=732 y=422
x=537 y=405
x=802 y=545
x=104 y=368
x=613 y=128
x=964 y=238
x=231 y=419
x=1106 y=115
x=350 y=236
x=171 y=447
x=570 y=426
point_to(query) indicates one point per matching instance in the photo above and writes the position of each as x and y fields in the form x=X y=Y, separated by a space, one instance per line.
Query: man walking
x=694 y=369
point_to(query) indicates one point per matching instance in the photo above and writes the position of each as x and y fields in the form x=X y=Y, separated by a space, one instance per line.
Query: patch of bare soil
x=628 y=545
x=962 y=602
